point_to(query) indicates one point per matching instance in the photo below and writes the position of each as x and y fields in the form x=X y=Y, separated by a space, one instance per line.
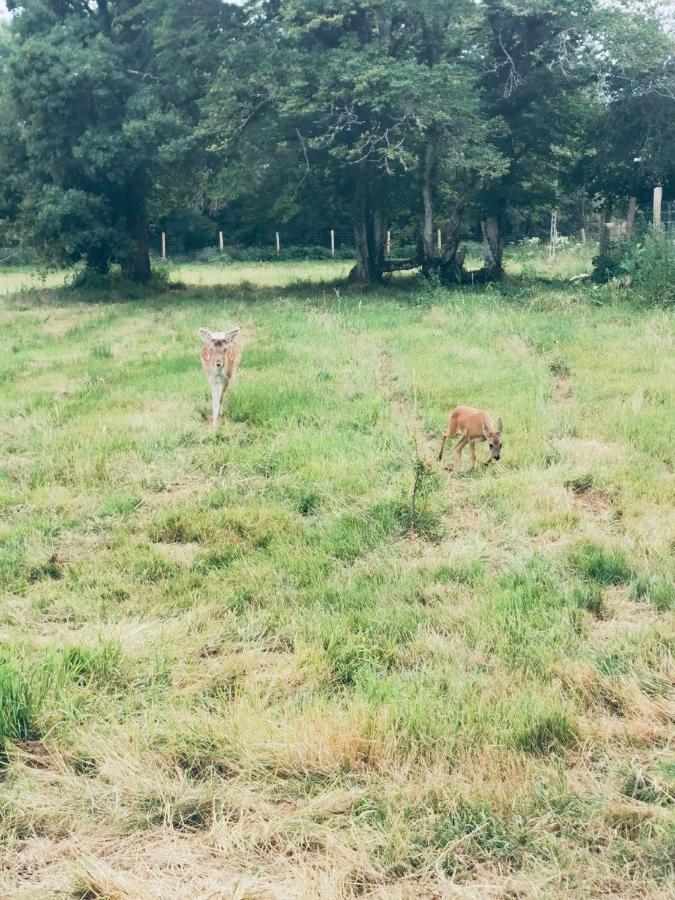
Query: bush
x=648 y=264
x=16 y=256
x=651 y=265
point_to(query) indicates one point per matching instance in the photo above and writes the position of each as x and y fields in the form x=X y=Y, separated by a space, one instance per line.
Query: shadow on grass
x=411 y=288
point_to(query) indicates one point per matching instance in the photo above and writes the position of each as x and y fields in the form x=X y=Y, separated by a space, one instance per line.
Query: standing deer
x=220 y=356
x=474 y=425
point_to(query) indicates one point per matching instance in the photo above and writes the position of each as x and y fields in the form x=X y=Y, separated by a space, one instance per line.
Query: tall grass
x=245 y=661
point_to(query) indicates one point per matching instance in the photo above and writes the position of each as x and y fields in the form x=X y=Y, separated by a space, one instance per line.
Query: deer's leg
x=222 y=397
x=217 y=391
x=449 y=433
x=458 y=451
x=472 y=445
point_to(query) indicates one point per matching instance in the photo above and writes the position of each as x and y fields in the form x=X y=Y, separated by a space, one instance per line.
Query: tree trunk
x=378 y=241
x=493 y=248
x=428 y=161
x=137 y=266
x=369 y=237
x=451 y=268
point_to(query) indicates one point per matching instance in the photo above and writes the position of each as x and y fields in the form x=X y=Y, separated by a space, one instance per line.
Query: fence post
x=439 y=241
x=163 y=245
x=278 y=242
x=658 y=196
x=583 y=235
x=332 y=242
x=554 y=235
x=221 y=243
x=388 y=241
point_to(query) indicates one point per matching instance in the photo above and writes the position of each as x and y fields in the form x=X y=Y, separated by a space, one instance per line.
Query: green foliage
x=113 y=140
x=650 y=264
x=647 y=265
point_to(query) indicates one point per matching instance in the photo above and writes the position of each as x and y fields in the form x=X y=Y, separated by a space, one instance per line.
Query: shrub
x=649 y=263
x=16 y=256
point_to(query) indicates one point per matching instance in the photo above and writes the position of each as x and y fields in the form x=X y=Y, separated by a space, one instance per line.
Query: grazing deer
x=220 y=356
x=474 y=425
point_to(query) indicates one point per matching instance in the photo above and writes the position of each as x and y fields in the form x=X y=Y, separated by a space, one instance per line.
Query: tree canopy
x=117 y=114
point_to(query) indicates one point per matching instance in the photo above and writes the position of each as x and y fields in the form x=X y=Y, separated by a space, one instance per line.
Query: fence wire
x=668 y=218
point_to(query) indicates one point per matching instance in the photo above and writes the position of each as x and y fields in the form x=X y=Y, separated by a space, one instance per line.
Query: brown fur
x=473 y=425
x=220 y=358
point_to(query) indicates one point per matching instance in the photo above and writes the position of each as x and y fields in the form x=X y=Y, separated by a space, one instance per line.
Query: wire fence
x=292 y=242
x=400 y=242
x=668 y=218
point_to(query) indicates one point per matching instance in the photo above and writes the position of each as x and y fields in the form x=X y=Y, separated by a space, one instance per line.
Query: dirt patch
x=595 y=502
x=562 y=389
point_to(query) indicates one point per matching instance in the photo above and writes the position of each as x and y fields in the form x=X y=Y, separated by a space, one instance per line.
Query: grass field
x=241 y=665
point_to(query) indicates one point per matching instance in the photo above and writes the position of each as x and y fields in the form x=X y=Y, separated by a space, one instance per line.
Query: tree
x=630 y=122
x=113 y=136
x=535 y=66
x=361 y=99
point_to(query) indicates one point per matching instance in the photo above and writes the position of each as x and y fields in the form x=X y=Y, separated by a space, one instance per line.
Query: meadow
x=299 y=657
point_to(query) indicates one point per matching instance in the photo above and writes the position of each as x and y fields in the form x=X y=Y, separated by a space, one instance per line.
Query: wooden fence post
x=221 y=243
x=332 y=242
x=583 y=235
x=439 y=241
x=163 y=245
x=658 y=196
x=278 y=242
x=388 y=241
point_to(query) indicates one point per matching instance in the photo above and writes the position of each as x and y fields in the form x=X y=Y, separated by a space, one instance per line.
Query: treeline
x=118 y=115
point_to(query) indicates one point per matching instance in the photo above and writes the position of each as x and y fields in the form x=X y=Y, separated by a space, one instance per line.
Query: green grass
x=242 y=657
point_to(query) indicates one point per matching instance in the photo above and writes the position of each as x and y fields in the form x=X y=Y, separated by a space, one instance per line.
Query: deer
x=220 y=357
x=473 y=425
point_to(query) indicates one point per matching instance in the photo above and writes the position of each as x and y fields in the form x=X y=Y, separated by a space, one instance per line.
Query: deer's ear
x=232 y=333
x=499 y=426
x=205 y=335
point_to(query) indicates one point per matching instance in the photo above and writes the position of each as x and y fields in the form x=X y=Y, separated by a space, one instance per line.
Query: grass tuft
x=601 y=564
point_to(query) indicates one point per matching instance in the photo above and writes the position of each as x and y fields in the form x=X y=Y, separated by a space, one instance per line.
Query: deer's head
x=215 y=347
x=494 y=439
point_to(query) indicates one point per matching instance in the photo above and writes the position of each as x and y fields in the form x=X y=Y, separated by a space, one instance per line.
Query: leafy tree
x=630 y=126
x=359 y=100
x=113 y=136
x=535 y=67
